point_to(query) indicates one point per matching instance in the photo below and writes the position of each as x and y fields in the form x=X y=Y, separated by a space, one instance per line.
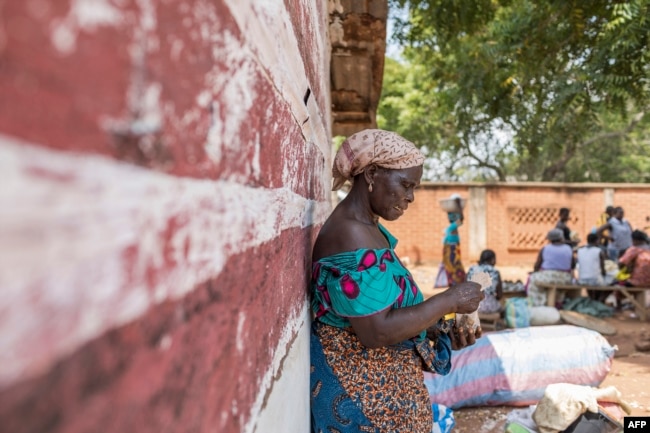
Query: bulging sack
x=514 y=366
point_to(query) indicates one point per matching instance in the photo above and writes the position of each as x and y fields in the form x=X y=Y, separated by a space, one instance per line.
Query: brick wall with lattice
x=515 y=217
x=528 y=226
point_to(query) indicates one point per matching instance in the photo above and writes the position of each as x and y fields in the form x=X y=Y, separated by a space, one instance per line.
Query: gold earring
x=370 y=188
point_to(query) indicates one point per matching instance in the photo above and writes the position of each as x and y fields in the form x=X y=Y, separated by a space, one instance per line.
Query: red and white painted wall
x=165 y=166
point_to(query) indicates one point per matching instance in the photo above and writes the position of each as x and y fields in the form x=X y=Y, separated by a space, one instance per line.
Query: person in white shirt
x=591 y=265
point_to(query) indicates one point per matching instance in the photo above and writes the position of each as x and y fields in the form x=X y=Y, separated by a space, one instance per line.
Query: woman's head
x=555 y=235
x=377 y=147
x=390 y=191
x=384 y=168
x=564 y=214
x=639 y=237
x=488 y=257
x=619 y=213
x=453 y=216
x=592 y=239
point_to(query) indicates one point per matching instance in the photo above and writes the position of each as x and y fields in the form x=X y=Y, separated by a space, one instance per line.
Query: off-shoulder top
x=361 y=283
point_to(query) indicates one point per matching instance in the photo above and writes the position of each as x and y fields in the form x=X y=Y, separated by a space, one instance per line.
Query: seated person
x=591 y=265
x=555 y=263
x=494 y=293
x=636 y=260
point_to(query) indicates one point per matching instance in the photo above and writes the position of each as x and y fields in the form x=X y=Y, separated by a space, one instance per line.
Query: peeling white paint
x=165 y=342
x=145 y=108
x=150 y=119
x=84 y=15
x=256 y=169
x=269 y=32
x=64 y=233
x=234 y=407
x=271 y=48
x=240 y=337
x=148 y=20
x=203 y=99
x=176 y=47
x=90 y=14
x=236 y=96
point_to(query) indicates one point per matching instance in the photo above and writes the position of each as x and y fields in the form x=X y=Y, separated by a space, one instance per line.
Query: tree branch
x=482 y=163
x=550 y=171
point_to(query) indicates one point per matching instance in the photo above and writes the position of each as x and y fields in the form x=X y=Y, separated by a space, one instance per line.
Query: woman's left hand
x=464 y=336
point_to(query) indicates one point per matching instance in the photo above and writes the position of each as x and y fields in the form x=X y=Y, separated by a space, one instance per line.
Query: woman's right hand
x=467 y=296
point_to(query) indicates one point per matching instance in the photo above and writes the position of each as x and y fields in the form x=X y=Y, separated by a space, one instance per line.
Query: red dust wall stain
x=164 y=176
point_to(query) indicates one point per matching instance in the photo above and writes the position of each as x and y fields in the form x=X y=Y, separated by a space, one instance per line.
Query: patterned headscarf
x=373 y=146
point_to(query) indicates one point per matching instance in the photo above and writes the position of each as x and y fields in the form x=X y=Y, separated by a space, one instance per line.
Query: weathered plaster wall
x=165 y=166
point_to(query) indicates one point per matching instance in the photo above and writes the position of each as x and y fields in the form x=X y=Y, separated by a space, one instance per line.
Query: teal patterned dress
x=355 y=388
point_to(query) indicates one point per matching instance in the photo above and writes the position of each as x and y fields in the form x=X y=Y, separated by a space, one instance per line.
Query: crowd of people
x=613 y=254
x=563 y=261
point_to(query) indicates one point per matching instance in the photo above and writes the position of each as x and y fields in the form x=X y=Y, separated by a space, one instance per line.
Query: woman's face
x=393 y=191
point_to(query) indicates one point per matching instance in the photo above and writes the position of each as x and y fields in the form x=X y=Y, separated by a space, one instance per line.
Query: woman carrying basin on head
x=451 y=269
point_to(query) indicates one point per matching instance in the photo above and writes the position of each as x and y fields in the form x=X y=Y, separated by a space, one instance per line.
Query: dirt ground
x=630 y=372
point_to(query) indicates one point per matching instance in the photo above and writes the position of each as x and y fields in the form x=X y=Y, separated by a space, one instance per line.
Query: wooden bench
x=636 y=295
x=491 y=321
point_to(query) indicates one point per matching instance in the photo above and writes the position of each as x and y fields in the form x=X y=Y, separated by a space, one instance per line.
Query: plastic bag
x=443 y=419
x=441 y=279
x=468 y=320
x=517 y=312
x=623 y=274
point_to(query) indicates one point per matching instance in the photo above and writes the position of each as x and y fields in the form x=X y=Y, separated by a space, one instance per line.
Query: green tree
x=537 y=90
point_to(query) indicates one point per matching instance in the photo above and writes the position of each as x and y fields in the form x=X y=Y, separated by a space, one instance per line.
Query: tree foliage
x=537 y=90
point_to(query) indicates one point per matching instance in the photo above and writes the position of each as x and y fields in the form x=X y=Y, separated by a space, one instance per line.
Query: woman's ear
x=369 y=174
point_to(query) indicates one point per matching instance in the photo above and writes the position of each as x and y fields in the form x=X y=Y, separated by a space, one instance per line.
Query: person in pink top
x=637 y=261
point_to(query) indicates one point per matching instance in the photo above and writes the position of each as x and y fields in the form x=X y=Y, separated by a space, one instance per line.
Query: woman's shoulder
x=346 y=235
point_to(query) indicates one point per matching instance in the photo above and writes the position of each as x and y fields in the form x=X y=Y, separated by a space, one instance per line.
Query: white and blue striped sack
x=513 y=367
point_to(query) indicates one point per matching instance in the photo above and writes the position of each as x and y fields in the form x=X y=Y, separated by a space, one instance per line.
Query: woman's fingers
x=464 y=336
x=471 y=338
